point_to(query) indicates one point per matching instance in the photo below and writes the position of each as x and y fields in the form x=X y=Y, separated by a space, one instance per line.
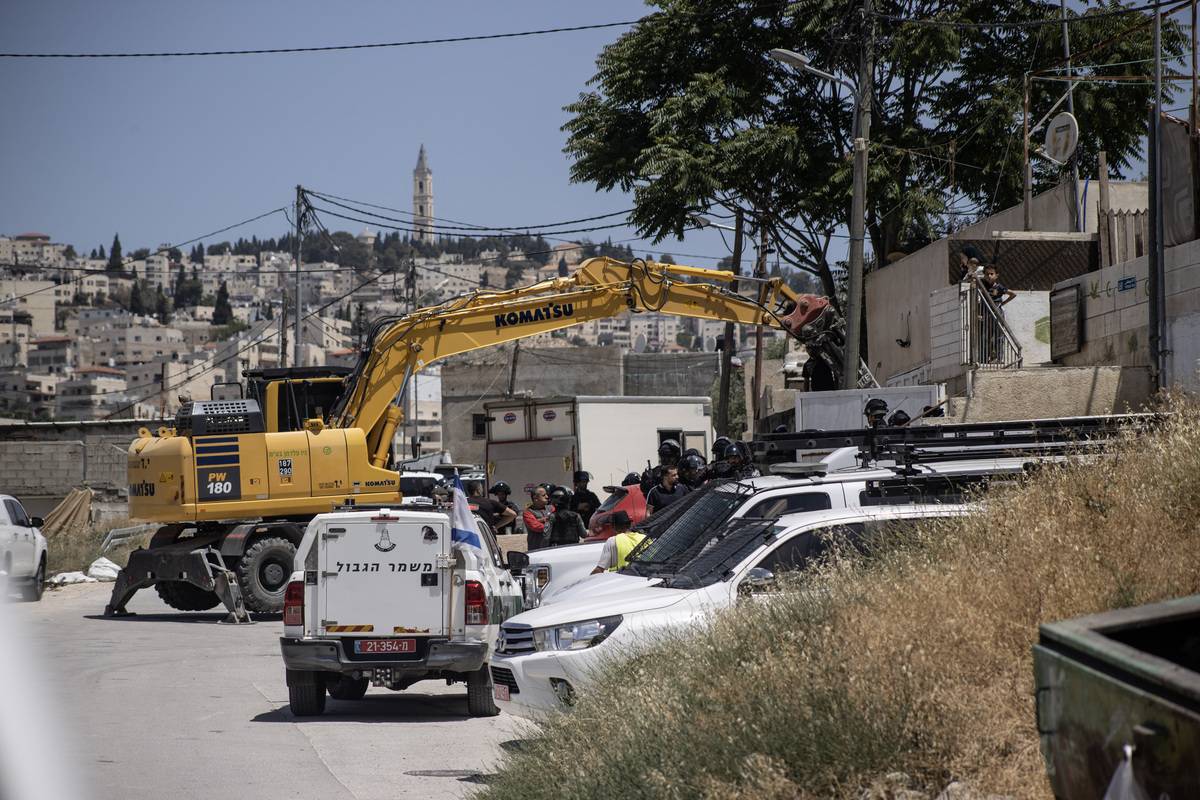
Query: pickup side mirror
x=757 y=580
x=517 y=560
x=36 y=522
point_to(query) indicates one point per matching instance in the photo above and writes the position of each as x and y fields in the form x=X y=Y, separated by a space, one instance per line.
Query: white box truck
x=544 y=440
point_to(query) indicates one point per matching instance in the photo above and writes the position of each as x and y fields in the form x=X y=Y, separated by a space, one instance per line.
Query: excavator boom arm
x=600 y=289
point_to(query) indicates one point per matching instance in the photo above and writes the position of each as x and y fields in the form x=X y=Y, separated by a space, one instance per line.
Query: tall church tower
x=423 y=199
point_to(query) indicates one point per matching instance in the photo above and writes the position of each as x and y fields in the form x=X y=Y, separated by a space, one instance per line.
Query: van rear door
x=383 y=574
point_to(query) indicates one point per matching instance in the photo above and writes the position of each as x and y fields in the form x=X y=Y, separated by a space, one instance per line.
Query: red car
x=620 y=498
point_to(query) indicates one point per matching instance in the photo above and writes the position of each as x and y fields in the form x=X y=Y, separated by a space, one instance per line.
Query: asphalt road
x=172 y=704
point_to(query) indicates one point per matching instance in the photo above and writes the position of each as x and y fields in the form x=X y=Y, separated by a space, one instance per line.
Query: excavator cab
x=290 y=396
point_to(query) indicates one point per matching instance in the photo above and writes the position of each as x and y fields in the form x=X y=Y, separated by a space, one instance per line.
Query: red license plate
x=500 y=692
x=384 y=646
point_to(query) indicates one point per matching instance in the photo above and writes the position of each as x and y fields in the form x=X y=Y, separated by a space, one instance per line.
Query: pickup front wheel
x=479 y=693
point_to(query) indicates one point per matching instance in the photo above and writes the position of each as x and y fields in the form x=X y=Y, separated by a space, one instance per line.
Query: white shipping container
x=607 y=436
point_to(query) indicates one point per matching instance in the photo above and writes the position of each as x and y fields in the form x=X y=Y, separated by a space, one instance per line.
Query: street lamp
x=861 y=134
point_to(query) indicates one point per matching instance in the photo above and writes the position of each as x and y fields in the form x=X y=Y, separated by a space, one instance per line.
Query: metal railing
x=987 y=341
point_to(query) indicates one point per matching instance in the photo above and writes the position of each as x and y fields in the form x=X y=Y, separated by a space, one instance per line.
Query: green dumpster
x=1121 y=691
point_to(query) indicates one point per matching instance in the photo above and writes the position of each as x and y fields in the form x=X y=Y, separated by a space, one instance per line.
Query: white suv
x=546 y=655
x=22 y=549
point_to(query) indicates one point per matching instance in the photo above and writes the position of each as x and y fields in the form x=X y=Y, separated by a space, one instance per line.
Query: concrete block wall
x=44 y=461
x=1116 y=323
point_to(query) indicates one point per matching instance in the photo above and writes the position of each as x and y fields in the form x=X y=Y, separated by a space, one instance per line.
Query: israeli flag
x=463 y=531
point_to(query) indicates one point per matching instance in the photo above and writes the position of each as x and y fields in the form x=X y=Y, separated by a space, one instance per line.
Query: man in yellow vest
x=617 y=548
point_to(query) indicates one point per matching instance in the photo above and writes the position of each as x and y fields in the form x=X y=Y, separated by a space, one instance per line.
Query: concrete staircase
x=1043 y=392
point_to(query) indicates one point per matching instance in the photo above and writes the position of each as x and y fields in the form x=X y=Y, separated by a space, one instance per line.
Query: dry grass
x=71 y=551
x=917 y=661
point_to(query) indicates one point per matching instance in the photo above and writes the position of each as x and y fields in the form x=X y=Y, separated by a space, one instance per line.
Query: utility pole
x=1195 y=79
x=728 y=346
x=1158 y=345
x=512 y=368
x=854 y=302
x=283 y=342
x=760 y=271
x=162 y=391
x=1073 y=194
x=297 y=254
x=412 y=307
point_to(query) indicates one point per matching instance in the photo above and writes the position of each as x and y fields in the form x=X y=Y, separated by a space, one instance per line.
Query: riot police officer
x=669 y=453
x=502 y=490
x=692 y=471
x=584 y=501
x=740 y=463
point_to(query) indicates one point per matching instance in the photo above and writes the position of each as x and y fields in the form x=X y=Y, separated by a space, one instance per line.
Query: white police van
x=380 y=597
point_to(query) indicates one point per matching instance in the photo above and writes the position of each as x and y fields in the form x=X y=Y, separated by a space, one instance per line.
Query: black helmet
x=740 y=450
x=691 y=451
x=876 y=407
x=692 y=463
x=560 y=497
x=500 y=486
x=720 y=446
x=581 y=475
x=631 y=479
x=899 y=419
x=669 y=449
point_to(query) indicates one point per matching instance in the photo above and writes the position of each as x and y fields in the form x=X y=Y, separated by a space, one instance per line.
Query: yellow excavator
x=236 y=481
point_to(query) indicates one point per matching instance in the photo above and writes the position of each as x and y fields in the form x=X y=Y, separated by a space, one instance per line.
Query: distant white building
x=32 y=249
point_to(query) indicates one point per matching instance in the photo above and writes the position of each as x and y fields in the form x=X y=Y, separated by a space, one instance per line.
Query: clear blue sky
x=161 y=150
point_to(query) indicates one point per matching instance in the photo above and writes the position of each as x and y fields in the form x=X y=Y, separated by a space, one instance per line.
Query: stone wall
x=40 y=462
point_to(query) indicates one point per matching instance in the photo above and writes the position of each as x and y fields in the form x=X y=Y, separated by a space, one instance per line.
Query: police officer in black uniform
x=669 y=453
x=502 y=490
x=692 y=471
x=876 y=412
x=584 y=501
x=740 y=462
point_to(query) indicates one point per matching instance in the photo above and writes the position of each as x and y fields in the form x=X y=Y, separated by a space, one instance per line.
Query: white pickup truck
x=557 y=572
x=549 y=654
x=380 y=597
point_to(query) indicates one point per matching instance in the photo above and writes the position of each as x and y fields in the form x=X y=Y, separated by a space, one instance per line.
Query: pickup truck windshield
x=413 y=486
x=676 y=530
x=712 y=555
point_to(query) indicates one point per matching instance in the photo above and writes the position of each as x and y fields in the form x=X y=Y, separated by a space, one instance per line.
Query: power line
x=464 y=225
x=489 y=235
x=1036 y=23
x=325 y=48
x=216 y=364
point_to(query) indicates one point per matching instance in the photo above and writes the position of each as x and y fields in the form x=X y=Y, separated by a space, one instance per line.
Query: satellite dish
x=1062 y=136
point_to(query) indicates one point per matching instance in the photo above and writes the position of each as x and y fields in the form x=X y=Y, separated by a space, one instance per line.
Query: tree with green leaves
x=136 y=305
x=737 y=401
x=222 y=310
x=688 y=113
x=162 y=307
x=179 y=288
x=115 y=263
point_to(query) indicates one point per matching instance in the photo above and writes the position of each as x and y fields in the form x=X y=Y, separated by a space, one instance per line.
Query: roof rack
x=907 y=446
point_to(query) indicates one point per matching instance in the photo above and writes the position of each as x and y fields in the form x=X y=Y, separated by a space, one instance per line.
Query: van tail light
x=293 y=604
x=477 y=611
